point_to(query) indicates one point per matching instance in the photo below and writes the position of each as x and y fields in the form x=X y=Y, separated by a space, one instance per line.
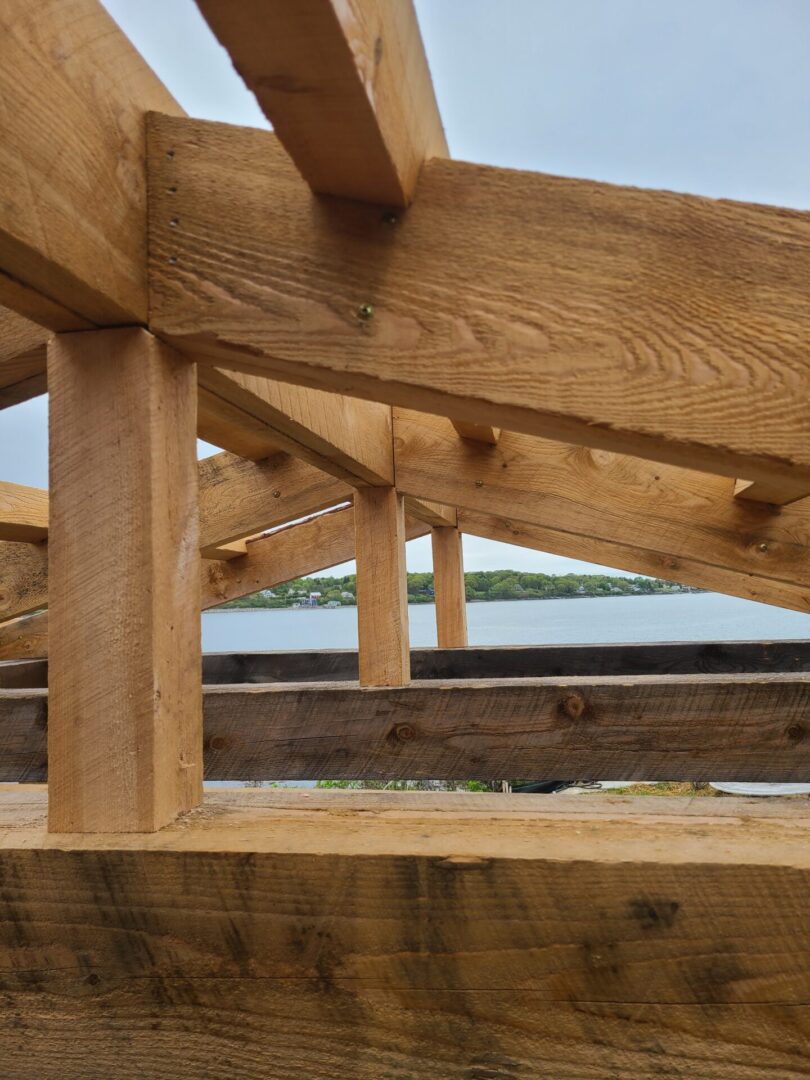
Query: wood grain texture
x=475 y=662
x=72 y=150
x=23 y=578
x=779 y=492
x=611 y=509
x=745 y=727
x=24 y=637
x=124 y=735
x=239 y=497
x=23 y=359
x=23 y=513
x=382 y=587
x=299 y=550
x=662 y=325
x=347 y=438
x=431 y=512
x=330 y=934
x=483 y=433
x=448 y=588
x=345 y=85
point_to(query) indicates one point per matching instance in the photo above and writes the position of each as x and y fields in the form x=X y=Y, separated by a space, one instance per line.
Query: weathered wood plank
x=23 y=578
x=605 y=507
x=124 y=733
x=643 y=727
x=23 y=513
x=473 y=662
x=448 y=588
x=345 y=85
x=413 y=936
x=382 y=587
x=72 y=150
x=607 y=337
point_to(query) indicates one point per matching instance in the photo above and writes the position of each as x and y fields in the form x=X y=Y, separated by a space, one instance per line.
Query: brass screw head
x=365 y=312
x=276 y=494
x=479 y=483
x=763 y=548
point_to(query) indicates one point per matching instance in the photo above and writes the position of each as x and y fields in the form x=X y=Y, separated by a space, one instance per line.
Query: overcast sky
x=704 y=96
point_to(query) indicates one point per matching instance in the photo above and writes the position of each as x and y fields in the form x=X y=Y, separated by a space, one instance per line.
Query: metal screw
x=763 y=547
x=170 y=153
x=365 y=311
x=172 y=259
x=390 y=218
x=479 y=483
x=276 y=494
x=174 y=222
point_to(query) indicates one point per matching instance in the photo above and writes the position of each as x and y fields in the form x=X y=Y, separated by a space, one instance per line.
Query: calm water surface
x=687 y=617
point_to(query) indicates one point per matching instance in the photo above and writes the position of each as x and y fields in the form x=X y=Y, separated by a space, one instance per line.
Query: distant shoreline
x=226 y=608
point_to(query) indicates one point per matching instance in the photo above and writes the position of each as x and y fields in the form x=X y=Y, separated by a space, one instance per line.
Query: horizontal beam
x=431 y=513
x=487 y=662
x=586 y=322
x=345 y=86
x=612 y=509
x=24 y=637
x=587 y=936
x=643 y=727
x=23 y=359
x=23 y=513
x=73 y=213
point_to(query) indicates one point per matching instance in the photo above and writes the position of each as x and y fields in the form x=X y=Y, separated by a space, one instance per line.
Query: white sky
x=703 y=96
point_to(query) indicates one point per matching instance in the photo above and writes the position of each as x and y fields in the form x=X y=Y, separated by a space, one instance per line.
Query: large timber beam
x=586 y=937
x=23 y=359
x=346 y=87
x=23 y=512
x=611 y=509
x=667 y=326
x=747 y=727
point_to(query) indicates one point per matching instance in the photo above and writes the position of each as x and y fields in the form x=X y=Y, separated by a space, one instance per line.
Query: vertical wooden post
x=125 y=708
x=448 y=588
x=382 y=587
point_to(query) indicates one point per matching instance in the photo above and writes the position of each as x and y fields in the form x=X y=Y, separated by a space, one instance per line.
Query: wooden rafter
x=607 y=338
x=23 y=512
x=613 y=509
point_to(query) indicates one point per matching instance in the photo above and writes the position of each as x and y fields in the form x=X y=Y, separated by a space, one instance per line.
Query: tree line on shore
x=480 y=585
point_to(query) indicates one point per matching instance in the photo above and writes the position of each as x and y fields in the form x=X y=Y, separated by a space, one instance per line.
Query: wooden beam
x=746 y=727
x=483 y=433
x=23 y=513
x=347 y=438
x=345 y=86
x=586 y=938
x=23 y=359
x=382 y=587
x=23 y=578
x=611 y=509
x=124 y=737
x=448 y=588
x=439 y=517
x=24 y=637
x=779 y=493
x=605 y=340
x=72 y=148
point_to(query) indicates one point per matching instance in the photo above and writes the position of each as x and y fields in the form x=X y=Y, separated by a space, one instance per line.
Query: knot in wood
x=796 y=732
x=217 y=742
x=573 y=705
x=405 y=732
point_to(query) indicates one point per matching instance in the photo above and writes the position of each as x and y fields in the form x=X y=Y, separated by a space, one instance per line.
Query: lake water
x=676 y=617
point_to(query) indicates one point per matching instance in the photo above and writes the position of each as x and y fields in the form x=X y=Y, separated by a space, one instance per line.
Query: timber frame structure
x=417 y=345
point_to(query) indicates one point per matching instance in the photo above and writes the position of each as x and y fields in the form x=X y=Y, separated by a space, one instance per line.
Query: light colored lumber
x=124 y=733
x=296 y=551
x=346 y=87
x=666 y=326
x=613 y=509
x=382 y=587
x=431 y=513
x=23 y=512
x=25 y=637
x=23 y=359
x=225 y=551
x=483 y=433
x=778 y=493
x=23 y=578
x=72 y=147
x=369 y=934
x=448 y=588
x=239 y=497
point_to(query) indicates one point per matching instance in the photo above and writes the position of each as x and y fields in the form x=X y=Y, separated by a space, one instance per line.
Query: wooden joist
x=606 y=338
x=346 y=87
x=124 y=730
x=779 y=492
x=586 y=937
x=747 y=726
x=24 y=637
x=611 y=509
x=23 y=359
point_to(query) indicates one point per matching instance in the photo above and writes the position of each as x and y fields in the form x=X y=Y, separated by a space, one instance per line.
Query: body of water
x=676 y=617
